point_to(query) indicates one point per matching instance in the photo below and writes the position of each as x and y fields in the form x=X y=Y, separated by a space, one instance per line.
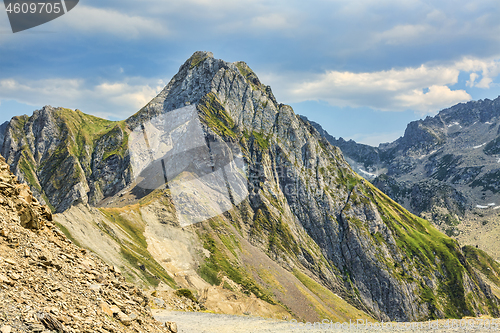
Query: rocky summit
x=297 y=234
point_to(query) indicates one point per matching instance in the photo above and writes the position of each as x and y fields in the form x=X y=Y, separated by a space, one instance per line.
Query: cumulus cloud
x=436 y=98
x=425 y=89
x=271 y=21
x=392 y=90
x=107 y=99
x=113 y=22
x=489 y=69
x=403 y=34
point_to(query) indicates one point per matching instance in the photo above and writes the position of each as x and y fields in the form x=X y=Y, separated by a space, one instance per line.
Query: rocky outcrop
x=48 y=283
x=66 y=156
x=3 y=127
x=305 y=208
x=444 y=168
x=20 y=203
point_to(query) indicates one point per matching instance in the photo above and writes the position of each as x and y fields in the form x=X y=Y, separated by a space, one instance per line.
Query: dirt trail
x=189 y=322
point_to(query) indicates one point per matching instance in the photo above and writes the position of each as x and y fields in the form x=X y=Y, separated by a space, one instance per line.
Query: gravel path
x=200 y=322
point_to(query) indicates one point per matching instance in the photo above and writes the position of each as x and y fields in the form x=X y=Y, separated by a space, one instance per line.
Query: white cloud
x=472 y=79
x=395 y=89
x=271 y=21
x=107 y=99
x=489 y=68
x=425 y=89
x=404 y=34
x=436 y=98
x=107 y=21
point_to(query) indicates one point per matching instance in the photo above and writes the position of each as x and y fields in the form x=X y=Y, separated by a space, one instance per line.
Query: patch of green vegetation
x=429 y=251
x=347 y=180
x=249 y=75
x=220 y=262
x=428 y=297
x=481 y=261
x=119 y=142
x=277 y=231
x=136 y=260
x=262 y=141
x=196 y=59
x=135 y=251
x=337 y=310
x=270 y=280
x=450 y=220
x=68 y=234
x=379 y=237
x=27 y=167
x=209 y=273
x=18 y=123
x=230 y=242
x=183 y=292
x=227 y=286
x=357 y=222
x=213 y=113
x=133 y=229
x=81 y=130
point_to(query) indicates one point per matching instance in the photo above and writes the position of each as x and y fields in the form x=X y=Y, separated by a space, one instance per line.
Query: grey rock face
x=58 y=152
x=3 y=127
x=306 y=208
x=451 y=157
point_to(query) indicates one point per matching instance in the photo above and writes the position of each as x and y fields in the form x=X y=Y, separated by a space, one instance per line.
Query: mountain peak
x=198 y=57
x=234 y=84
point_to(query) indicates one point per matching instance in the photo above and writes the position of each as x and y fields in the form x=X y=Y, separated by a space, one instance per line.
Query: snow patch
x=454 y=124
x=422 y=156
x=491 y=204
x=488 y=123
x=482 y=207
x=497 y=207
x=367 y=173
x=475 y=147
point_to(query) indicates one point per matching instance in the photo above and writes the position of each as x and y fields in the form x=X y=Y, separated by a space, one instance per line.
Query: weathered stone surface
x=452 y=151
x=6 y=329
x=123 y=318
x=50 y=322
x=105 y=308
x=44 y=282
x=171 y=326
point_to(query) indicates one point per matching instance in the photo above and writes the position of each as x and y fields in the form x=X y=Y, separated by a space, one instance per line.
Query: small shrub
x=186 y=293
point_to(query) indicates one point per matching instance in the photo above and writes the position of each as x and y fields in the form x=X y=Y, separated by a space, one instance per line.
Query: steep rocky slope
x=445 y=168
x=49 y=284
x=306 y=227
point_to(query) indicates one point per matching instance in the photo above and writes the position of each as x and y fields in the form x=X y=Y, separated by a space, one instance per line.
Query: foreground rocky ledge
x=49 y=284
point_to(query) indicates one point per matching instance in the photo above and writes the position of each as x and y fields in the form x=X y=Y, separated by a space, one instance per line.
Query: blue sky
x=363 y=69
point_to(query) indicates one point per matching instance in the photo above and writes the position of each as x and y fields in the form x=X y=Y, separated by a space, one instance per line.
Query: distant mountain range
x=297 y=228
x=445 y=168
